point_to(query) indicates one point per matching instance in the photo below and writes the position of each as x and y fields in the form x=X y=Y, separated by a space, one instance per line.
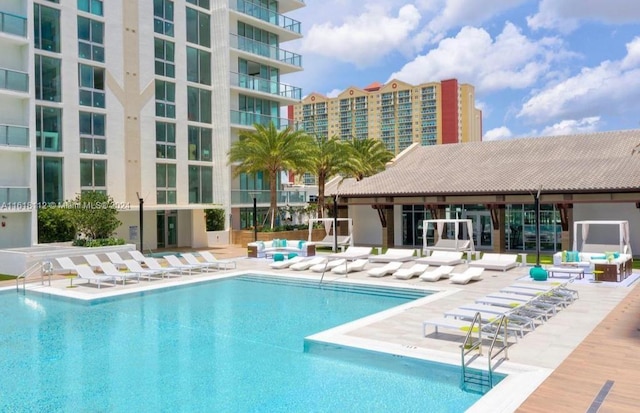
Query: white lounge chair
x=93 y=261
x=192 y=260
x=498 y=262
x=175 y=262
x=394 y=254
x=219 y=264
x=413 y=271
x=67 y=265
x=443 y=258
x=388 y=268
x=137 y=255
x=278 y=265
x=308 y=263
x=85 y=272
x=116 y=259
x=470 y=274
x=135 y=267
x=108 y=268
x=153 y=264
x=437 y=273
x=353 y=253
x=355 y=266
x=327 y=266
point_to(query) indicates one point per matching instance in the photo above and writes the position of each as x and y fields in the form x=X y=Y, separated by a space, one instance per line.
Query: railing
x=15 y=197
x=505 y=347
x=265 y=50
x=14 y=80
x=264 y=14
x=239 y=197
x=13 y=24
x=44 y=268
x=249 y=119
x=265 y=85
x=14 y=135
x=469 y=345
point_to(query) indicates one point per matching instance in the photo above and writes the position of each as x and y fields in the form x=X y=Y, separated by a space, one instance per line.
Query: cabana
x=581 y=231
x=328 y=241
x=445 y=244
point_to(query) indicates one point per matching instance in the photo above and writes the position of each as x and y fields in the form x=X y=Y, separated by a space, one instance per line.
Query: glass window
x=202 y=3
x=199 y=105
x=165 y=183
x=165 y=58
x=48 y=129
x=91 y=6
x=92 y=133
x=49 y=171
x=198 y=66
x=91 y=82
x=93 y=174
x=46 y=28
x=200 y=184
x=90 y=39
x=199 y=143
x=165 y=99
x=47 y=78
x=165 y=140
x=163 y=17
x=198 y=28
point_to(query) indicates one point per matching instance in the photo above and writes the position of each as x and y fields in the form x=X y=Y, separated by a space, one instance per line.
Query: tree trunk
x=321 y=182
x=273 y=206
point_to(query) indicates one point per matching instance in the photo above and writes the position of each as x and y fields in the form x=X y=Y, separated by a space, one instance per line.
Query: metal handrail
x=468 y=346
x=44 y=267
x=504 y=320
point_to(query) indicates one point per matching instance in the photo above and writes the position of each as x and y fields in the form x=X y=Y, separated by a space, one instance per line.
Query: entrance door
x=167 y=228
x=482 y=229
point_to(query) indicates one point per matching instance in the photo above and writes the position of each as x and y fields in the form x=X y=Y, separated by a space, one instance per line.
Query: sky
x=539 y=67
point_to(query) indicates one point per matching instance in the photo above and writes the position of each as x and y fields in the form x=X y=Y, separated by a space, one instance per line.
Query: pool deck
x=562 y=365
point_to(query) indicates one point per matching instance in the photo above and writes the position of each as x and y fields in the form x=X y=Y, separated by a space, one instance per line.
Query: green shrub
x=101 y=242
x=214 y=219
x=55 y=225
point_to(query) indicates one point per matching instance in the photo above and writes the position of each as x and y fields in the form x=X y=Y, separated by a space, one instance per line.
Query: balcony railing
x=12 y=24
x=265 y=50
x=245 y=197
x=14 y=197
x=249 y=119
x=264 y=14
x=265 y=85
x=14 y=135
x=14 y=80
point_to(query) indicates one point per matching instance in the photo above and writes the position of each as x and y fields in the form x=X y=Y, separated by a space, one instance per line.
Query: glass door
x=167 y=229
x=482 y=229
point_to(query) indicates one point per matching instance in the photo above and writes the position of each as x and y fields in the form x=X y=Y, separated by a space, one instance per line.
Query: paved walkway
x=593 y=342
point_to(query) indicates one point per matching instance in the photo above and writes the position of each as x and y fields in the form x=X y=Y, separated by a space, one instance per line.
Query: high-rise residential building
x=397 y=113
x=140 y=99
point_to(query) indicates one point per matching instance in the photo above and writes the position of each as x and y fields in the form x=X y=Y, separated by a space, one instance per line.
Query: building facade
x=397 y=113
x=140 y=99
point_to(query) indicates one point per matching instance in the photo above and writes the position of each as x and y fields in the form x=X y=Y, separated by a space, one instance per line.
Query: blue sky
x=540 y=67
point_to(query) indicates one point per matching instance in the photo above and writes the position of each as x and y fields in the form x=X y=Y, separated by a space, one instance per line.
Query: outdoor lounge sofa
x=261 y=249
x=443 y=258
x=394 y=254
x=498 y=262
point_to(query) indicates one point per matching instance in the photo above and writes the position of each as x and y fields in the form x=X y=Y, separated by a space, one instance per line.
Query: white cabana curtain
x=327 y=227
x=440 y=228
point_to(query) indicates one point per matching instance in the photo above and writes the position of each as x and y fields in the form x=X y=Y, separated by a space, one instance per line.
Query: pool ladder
x=44 y=268
x=470 y=344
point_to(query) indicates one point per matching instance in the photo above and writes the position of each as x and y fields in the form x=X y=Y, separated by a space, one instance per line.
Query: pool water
x=233 y=345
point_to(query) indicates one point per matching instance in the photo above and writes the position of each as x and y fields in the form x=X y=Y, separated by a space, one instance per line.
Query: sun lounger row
x=525 y=306
x=94 y=270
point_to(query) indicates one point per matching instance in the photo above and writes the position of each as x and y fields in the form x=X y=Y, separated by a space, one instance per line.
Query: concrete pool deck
x=562 y=365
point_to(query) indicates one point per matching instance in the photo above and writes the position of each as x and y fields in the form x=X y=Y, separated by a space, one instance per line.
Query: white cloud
x=510 y=61
x=612 y=87
x=334 y=93
x=458 y=13
x=571 y=126
x=364 y=39
x=564 y=15
x=497 y=134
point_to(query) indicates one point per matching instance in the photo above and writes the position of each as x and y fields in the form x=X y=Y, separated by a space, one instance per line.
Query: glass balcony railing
x=265 y=50
x=264 y=85
x=249 y=119
x=14 y=80
x=14 y=197
x=245 y=197
x=264 y=14
x=12 y=24
x=14 y=135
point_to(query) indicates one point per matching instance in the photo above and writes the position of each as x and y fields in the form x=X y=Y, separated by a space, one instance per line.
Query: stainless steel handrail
x=44 y=267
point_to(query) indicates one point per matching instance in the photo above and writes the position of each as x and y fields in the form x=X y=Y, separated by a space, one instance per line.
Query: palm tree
x=268 y=150
x=366 y=157
x=331 y=159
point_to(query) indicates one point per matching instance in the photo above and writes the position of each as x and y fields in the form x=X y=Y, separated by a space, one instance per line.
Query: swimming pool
x=232 y=345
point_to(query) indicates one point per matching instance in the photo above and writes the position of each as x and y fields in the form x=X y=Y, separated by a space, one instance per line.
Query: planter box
x=244 y=237
x=217 y=238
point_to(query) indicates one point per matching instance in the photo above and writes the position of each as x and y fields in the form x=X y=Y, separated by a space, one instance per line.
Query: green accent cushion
x=538 y=273
x=278 y=257
x=301 y=244
x=292 y=255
